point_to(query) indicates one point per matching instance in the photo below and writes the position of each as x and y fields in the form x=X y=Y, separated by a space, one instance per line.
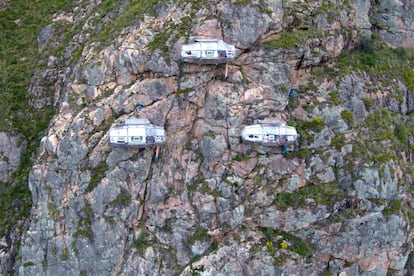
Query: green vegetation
x=338 y=141
x=97 y=174
x=368 y=103
x=20 y=25
x=200 y=234
x=195 y=4
x=195 y=183
x=380 y=123
x=289 y=40
x=123 y=198
x=317 y=124
x=262 y=5
x=323 y=193
x=347 y=116
x=183 y=91
x=306 y=129
x=287 y=241
x=394 y=207
x=293 y=100
x=242 y=2
x=241 y=157
x=335 y=98
x=141 y=243
x=84 y=227
x=409 y=79
x=379 y=61
x=401 y=133
x=381 y=138
x=170 y=34
x=65 y=254
x=327 y=7
x=201 y=185
x=160 y=40
x=130 y=15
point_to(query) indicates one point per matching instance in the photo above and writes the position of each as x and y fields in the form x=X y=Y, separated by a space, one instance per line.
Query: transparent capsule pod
x=269 y=134
x=137 y=133
x=207 y=51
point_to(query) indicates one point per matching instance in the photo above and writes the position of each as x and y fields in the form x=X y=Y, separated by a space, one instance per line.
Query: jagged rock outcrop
x=211 y=203
x=395 y=21
x=10 y=154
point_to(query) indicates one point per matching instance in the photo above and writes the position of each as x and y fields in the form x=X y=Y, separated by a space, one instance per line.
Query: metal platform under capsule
x=137 y=133
x=207 y=51
x=269 y=134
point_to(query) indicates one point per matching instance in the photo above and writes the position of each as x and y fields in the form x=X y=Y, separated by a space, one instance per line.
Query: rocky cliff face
x=339 y=203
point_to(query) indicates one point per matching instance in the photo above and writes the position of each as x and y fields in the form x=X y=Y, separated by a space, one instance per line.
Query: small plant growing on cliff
x=284 y=245
x=141 y=243
x=335 y=98
x=368 y=102
x=409 y=79
x=53 y=251
x=287 y=40
x=338 y=141
x=288 y=241
x=183 y=91
x=242 y=2
x=65 y=254
x=84 y=227
x=97 y=174
x=401 y=134
x=269 y=247
x=393 y=207
x=241 y=157
x=316 y=124
x=347 y=116
x=201 y=234
x=123 y=198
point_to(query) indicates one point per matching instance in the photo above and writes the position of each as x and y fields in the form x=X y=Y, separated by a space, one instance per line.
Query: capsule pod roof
x=269 y=134
x=137 y=133
x=208 y=51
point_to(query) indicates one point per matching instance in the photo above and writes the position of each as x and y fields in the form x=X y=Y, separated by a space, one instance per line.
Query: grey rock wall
x=211 y=203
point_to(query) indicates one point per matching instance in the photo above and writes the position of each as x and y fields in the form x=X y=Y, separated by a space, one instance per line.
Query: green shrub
x=141 y=243
x=241 y=157
x=131 y=13
x=335 y=98
x=84 y=228
x=347 y=116
x=401 y=133
x=19 y=58
x=380 y=61
x=97 y=174
x=368 y=102
x=316 y=124
x=242 y=2
x=379 y=123
x=297 y=245
x=183 y=91
x=393 y=208
x=409 y=79
x=293 y=103
x=201 y=234
x=65 y=254
x=323 y=193
x=288 y=40
x=123 y=198
x=338 y=141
